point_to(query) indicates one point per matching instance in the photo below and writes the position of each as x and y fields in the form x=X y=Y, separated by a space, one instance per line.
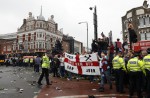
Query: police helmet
x=148 y=50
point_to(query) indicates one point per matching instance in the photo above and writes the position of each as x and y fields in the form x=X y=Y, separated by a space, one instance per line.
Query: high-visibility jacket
x=134 y=65
x=26 y=60
x=45 y=62
x=118 y=63
x=146 y=62
x=31 y=60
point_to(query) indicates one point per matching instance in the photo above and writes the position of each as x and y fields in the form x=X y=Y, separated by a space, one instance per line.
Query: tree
x=58 y=48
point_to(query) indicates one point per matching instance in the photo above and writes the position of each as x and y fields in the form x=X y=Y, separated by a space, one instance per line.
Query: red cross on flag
x=82 y=64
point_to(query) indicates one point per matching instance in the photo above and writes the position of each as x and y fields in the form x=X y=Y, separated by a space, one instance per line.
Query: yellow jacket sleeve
x=122 y=64
x=128 y=66
x=141 y=64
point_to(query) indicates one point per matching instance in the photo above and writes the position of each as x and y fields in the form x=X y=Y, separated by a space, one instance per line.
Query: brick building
x=140 y=18
x=36 y=35
x=6 y=46
x=71 y=45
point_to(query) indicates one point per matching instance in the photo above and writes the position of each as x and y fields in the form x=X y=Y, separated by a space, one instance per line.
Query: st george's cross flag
x=82 y=64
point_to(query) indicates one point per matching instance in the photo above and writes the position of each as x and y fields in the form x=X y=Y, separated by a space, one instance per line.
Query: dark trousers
x=135 y=80
x=55 y=72
x=148 y=83
x=45 y=73
x=119 y=76
x=62 y=71
x=36 y=67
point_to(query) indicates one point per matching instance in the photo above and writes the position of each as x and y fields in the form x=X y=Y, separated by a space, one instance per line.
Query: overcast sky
x=68 y=13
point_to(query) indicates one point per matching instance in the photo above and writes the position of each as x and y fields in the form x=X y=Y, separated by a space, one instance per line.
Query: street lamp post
x=87 y=32
x=94 y=21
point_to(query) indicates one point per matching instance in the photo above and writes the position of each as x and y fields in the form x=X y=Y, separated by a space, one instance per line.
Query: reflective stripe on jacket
x=26 y=60
x=118 y=63
x=146 y=62
x=134 y=65
x=46 y=63
x=31 y=60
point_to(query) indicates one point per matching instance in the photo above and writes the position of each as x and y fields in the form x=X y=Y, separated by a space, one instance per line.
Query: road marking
x=101 y=95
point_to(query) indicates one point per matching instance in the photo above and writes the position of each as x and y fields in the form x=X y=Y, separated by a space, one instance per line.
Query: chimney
x=24 y=21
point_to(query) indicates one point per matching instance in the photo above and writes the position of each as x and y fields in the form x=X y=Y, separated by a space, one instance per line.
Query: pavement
x=20 y=82
x=62 y=88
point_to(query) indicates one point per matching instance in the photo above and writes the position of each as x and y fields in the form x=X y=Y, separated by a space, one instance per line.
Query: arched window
x=146 y=21
x=40 y=45
x=148 y=36
x=40 y=25
x=143 y=36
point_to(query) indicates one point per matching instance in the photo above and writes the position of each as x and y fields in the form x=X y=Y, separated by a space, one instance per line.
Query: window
x=14 y=47
x=40 y=35
x=142 y=36
x=148 y=36
x=31 y=26
x=26 y=46
x=4 y=49
x=126 y=25
x=40 y=25
x=37 y=35
x=36 y=46
x=51 y=39
x=43 y=45
x=32 y=36
x=147 y=21
x=8 y=48
x=40 y=45
x=31 y=46
x=26 y=37
x=141 y=23
x=20 y=39
x=46 y=46
x=143 y=20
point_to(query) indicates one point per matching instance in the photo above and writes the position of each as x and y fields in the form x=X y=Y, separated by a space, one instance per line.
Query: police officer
x=146 y=61
x=119 y=67
x=31 y=62
x=45 y=70
x=134 y=67
x=26 y=62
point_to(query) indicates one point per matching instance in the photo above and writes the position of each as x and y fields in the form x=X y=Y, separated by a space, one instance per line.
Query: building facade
x=36 y=35
x=140 y=18
x=71 y=45
x=7 y=43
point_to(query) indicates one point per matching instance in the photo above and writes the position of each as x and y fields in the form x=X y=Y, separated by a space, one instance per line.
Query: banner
x=82 y=64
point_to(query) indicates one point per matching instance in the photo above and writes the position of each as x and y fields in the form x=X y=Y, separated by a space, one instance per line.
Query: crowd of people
x=130 y=69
